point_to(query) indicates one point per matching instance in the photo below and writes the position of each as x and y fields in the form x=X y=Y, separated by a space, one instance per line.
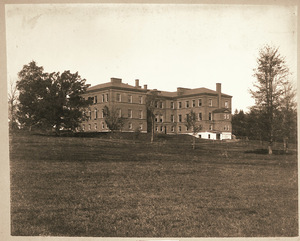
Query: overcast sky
x=165 y=46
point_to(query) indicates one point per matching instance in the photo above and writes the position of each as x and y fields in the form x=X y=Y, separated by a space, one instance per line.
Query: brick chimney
x=137 y=85
x=115 y=81
x=218 y=89
x=145 y=87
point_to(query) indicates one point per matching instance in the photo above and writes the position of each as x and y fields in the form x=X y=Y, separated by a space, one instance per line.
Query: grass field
x=97 y=186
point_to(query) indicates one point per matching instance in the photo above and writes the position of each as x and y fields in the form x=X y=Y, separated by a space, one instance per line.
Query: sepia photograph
x=151 y=120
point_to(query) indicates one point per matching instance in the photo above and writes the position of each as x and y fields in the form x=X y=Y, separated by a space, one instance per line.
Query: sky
x=163 y=45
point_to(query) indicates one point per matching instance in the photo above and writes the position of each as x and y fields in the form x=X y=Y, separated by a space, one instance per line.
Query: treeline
x=251 y=126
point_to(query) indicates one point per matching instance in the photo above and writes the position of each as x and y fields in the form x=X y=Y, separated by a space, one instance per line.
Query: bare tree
x=113 y=119
x=271 y=75
x=191 y=123
x=12 y=105
x=151 y=104
x=287 y=118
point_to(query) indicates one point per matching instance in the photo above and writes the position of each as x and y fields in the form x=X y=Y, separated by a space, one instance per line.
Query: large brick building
x=213 y=109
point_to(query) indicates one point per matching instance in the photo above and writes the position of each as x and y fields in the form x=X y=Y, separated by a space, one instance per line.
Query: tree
x=271 y=75
x=113 y=119
x=50 y=100
x=191 y=123
x=151 y=104
x=287 y=118
x=12 y=105
x=239 y=124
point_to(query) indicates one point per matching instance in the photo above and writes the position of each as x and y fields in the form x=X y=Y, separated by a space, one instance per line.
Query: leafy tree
x=113 y=119
x=239 y=124
x=32 y=89
x=191 y=123
x=271 y=75
x=12 y=105
x=50 y=100
x=151 y=102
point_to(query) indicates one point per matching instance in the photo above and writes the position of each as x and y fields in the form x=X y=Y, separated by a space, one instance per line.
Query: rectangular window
x=129 y=113
x=102 y=113
x=200 y=116
x=172 y=105
x=210 y=102
x=96 y=114
x=200 y=102
x=103 y=98
x=155 y=104
x=119 y=97
x=179 y=118
x=95 y=125
x=187 y=104
x=179 y=105
x=210 y=127
x=130 y=98
x=193 y=103
x=106 y=97
x=141 y=99
x=160 y=105
x=226 y=104
x=209 y=116
x=95 y=99
x=90 y=115
x=161 y=128
x=90 y=127
x=156 y=128
x=160 y=118
x=172 y=118
x=103 y=126
x=156 y=118
x=172 y=129
x=120 y=113
x=140 y=114
x=141 y=126
x=130 y=126
x=179 y=128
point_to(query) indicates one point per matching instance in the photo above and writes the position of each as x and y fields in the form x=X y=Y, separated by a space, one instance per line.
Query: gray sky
x=165 y=46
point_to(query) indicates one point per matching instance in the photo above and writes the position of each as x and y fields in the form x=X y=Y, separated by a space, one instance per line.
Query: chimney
x=137 y=83
x=115 y=81
x=145 y=87
x=218 y=89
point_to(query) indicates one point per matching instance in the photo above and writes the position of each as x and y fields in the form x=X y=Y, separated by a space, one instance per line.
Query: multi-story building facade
x=213 y=109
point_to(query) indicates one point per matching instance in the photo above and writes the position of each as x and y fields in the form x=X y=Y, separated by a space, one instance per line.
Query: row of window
x=163 y=128
x=180 y=129
x=129 y=114
x=158 y=104
x=104 y=126
x=159 y=118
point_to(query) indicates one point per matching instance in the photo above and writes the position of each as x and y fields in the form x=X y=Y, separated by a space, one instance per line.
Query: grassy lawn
x=96 y=186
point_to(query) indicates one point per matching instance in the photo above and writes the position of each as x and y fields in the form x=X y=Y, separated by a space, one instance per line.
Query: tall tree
x=32 y=88
x=271 y=77
x=50 y=100
x=113 y=119
x=192 y=123
x=151 y=104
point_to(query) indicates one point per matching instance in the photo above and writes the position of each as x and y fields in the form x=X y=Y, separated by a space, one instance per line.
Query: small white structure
x=210 y=135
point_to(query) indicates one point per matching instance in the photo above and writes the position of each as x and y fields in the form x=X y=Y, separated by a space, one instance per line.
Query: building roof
x=181 y=92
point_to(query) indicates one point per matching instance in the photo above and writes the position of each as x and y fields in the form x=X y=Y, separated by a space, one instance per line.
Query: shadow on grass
x=265 y=152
